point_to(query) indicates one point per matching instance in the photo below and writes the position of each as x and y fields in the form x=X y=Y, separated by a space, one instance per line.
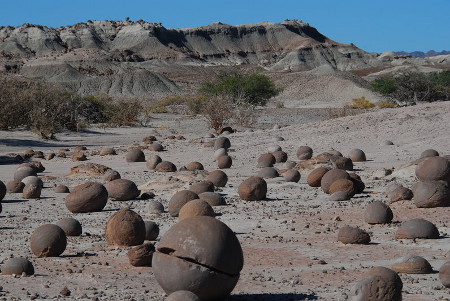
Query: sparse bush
x=163 y=105
x=218 y=110
x=386 y=104
x=124 y=112
x=361 y=103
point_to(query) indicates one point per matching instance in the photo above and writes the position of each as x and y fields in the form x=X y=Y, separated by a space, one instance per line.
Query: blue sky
x=374 y=26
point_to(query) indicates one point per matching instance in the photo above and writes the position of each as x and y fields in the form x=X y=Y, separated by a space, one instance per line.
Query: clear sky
x=374 y=26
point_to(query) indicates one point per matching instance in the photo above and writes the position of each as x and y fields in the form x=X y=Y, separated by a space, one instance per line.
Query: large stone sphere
x=304 y=152
x=179 y=199
x=378 y=213
x=357 y=155
x=331 y=176
x=218 y=178
x=292 y=175
x=199 y=254
x=212 y=198
x=122 y=190
x=196 y=208
x=151 y=230
x=87 y=197
x=222 y=142
x=345 y=185
x=417 y=228
x=268 y=173
x=48 y=241
x=253 y=189
x=381 y=284
x=165 y=166
x=31 y=191
x=224 y=162
x=412 y=264
x=135 y=155
x=353 y=235
x=429 y=153
x=33 y=180
x=434 y=169
x=17 y=266
x=315 y=177
x=23 y=172
x=125 y=228
x=431 y=194
x=14 y=187
x=70 y=226
x=202 y=186
x=152 y=161
x=280 y=156
x=266 y=160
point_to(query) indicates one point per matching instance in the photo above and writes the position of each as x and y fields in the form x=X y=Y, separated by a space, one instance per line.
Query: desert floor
x=289 y=241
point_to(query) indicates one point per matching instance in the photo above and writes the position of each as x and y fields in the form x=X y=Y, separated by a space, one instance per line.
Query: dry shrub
x=124 y=112
x=386 y=104
x=218 y=110
x=164 y=105
x=361 y=103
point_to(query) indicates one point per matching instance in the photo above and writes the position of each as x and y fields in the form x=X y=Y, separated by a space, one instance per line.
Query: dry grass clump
x=361 y=103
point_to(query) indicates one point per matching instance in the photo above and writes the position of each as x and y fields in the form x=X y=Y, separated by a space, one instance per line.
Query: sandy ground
x=289 y=240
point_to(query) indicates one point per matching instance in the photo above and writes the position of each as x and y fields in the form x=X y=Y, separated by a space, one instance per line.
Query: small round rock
x=33 y=180
x=122 y=190
x=378 y=213
x=224 y=162
x=434 y=169
x=202 y=186
x=17 y=266
x=87 y=197
x=292 y=175
x=31 y=191
x=48 y=241
x=431 y=194
x=135 y=155
x=14 y=187
x=268 y=173
x=196 y=208
x=357 y=155
x=253 y=189
x=60 y=188
x=125 y=228
x=304 y=152
x=212 y=198
x=70 y=226
x=412 y=264
x=152 y=161
x=417 y=228
x=343 y=185
x=315 y=177
x=218 y=178
x=194 y=166
x=222 y=142
x=331 y=176
x=165 y=166
x=141 y=255
x=107 y=151
x=155 y=207
x=179 y=199
x=429 y=153
x=353 y=235
x=280 y=156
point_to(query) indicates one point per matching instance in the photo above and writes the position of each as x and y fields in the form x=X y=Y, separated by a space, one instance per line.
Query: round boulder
x=202 y=186
x=31 y=191
x=23 y=172
x=155 y=147
x=304 y=153
x=222 y=142
x=396 y=192
x=412 y=264
x=142 y=255
x=107 y=151
x=135 y=155
x=381 y=284
x=196 y=208
x=212 y=198
x=315 y=177
x=253 y=189
x=165 y=166
x=444 y=274
x=345 y=185
x=218 y=178
x=353 y=235
x=280 y=156
x=48 y=241
x=152 y=161
x=151 y=230
x=378 y=213
x=357 y=155
x=266 y=160
x=331 y=176
x=224 y=162
x=194 y=166
x=292 y=175
x=14 y=187
x=268 y=173
x=33 y=180
x=182 y=296
x=417 y=228
x=59 y=188
x=429 y=153
x=431 y=194
x=434 y=169
x=17 y=266
x=87 y=197
x=111 y=175
x=125 y=228
x=122 y=190
x=197 y=254
x=179 y=199
x=155 y=207
x=70 y=226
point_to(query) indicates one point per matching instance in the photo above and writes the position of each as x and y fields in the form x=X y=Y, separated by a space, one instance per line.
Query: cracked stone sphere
x=315 y=177
x=280 y=156
x=444 y=274
x=23 y=172
x=292 y=175
x=218 y=178
x=268 y=173
x=357 y=155
x=141 y=255
x=196 y=208
x=165 y=166
x=304 y=152
x=417 y=228
x=429 y=153
x=48 y=241
x=17 y=266
x=70 y=226
x=222 y=142
x=125 y=228
x=212 y=198
x=412 y=264
x=151 y=230
x=14 y=187
x=353 y=235
x=122 y=190
x=343 y=185
x=199 y=254
x=135 y=155
x=381 y=284
x=431 y=194
x=179 y=199
x=2 y=190
x=434 y=169
x=224 y=162
x=183 y=296
x=253 y=189
x=378 y=213
x=31 y=191
x=87 y=197
x=331 y=176
x=202 y=186
x=152 y=161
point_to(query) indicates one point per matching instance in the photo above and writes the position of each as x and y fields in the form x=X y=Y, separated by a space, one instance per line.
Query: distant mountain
x=422 y=54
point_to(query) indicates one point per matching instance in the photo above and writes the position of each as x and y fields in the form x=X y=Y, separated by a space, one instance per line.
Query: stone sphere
x=2 y=190
x=17 y=266
x=155 y=207
x=335 y=153
x=224 y=162
x=398 y=193
x=357 y=182
x=412 y=264
x=59 y=188
x=268 y=173
x=87 y=197
x=151 y=230
x=339 y=196
x=315 y=177
x=107 y=151
x=331 y=176
x=266 y=160
x=199 y=254
x=417 y=228
x=23 y=172
x=125 y=228
x=357 y=155
x=196 y=208
x=433 y=169
x=48 y=241
x=142 y=255
x=212 y=198
x=345 y=185
x=36 y=165
x=429 y=153
x=378 y=213
x=135 y=155
x=70 y=226
x=218 y=178
x=202 y=186
x=280 y=156
x=31 y=191
x=78 y=156
x=289 y=164
x=382 y=284
x=194 y=166
x=14 y=187
x=165 y=166
x=179 y=199
x=388 y=142
x=149 y=139
x=444 y=274
x=220 y=152
x=111 y=175
x=304 y=152
x=253 y=189
x=292 y=175
x=182 y=296
x=222 y=142
x=122 y=190
x=353 y=235
x=431 y=194
x=155 y=147
x=152 y=161
x=274 y=148
x=33 y=180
